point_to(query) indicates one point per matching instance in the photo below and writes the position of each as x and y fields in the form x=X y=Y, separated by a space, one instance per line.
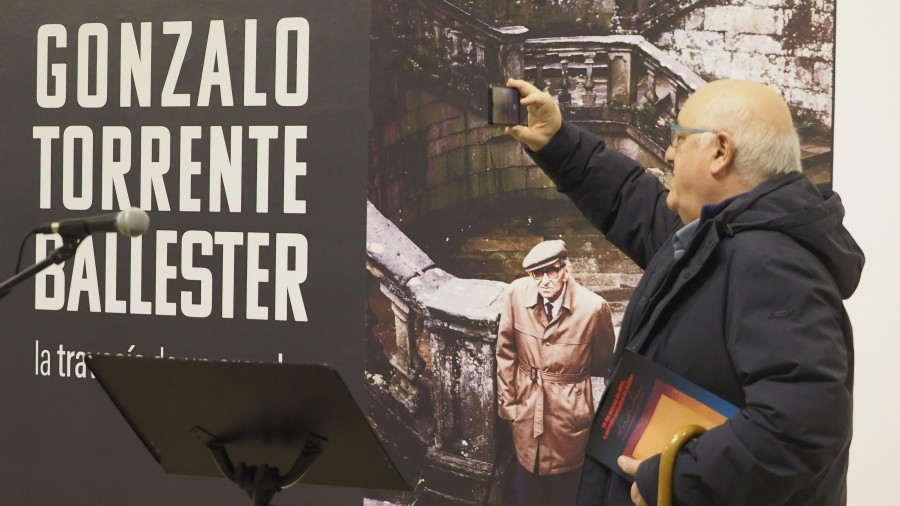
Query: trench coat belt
x=540 y=377
x=550 y=377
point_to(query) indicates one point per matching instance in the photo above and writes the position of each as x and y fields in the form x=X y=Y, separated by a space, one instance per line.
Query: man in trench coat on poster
x=554 y=335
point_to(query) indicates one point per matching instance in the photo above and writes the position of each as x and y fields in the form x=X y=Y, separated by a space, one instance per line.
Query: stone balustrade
x=616 y=78
x=455 y=320
x=445 y=42
x=622 y=79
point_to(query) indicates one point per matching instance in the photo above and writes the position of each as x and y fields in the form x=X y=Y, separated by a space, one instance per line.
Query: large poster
x=240 y=128
x=455 y=205
x=307 y=206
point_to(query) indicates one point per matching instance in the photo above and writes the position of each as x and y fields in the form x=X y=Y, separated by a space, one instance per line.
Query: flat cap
x=544 y=254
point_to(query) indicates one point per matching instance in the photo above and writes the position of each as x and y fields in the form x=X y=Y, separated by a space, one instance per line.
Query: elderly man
x=554 y=335
x=746 y=268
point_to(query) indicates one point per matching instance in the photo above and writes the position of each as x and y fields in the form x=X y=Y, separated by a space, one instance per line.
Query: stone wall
x=437 y=156
x=543 y=17
x=774 y=41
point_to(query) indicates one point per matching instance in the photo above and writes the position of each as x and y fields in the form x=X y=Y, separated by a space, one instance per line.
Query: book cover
x=642 y=407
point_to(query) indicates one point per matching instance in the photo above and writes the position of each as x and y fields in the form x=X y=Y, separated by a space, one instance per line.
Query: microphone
x=130 y=222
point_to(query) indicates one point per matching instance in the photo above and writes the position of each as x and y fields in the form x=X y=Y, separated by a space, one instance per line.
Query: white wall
x=867 y=145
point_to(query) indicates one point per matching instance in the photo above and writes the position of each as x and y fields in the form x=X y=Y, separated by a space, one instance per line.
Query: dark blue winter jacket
x=753 y=311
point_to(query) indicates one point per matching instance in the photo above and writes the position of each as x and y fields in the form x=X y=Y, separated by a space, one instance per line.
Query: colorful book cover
x=644 y=404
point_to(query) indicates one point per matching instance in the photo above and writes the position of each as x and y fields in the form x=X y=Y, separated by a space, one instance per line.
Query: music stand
x=264 y=426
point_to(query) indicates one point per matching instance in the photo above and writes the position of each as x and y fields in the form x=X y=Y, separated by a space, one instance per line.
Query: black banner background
x=61 y=438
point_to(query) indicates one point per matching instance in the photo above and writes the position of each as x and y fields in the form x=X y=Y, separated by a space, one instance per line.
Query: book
x=642 y=407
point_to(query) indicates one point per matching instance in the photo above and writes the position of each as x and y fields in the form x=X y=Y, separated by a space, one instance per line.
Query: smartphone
x=504 y=107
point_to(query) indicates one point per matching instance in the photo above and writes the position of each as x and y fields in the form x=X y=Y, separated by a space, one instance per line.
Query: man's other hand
x=544 y=116
x=630 y=466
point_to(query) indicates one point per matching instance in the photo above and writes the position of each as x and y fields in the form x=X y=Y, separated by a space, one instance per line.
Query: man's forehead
x=689 y=112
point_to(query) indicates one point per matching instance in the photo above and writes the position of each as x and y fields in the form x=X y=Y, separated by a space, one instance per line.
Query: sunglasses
x=552 y=271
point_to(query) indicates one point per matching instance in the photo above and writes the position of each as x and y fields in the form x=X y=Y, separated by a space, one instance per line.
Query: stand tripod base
x=260 y=482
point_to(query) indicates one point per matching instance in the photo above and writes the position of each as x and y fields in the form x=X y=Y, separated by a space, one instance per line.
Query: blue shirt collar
x=683 y=237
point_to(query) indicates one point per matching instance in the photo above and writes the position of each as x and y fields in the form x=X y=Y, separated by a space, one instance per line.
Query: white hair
x=763 y=149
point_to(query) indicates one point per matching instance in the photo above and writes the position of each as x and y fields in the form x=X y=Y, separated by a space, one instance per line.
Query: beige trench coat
x=544 y=370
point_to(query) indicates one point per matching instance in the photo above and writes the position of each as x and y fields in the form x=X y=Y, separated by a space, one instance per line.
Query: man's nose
x=670 y=155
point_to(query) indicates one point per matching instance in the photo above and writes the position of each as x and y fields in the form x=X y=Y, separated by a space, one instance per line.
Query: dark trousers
x=547 y=490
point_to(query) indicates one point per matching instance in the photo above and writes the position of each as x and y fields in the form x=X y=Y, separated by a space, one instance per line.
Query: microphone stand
x=57 y=256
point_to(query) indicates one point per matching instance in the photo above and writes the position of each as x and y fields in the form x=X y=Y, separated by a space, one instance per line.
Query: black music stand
x=264 y=426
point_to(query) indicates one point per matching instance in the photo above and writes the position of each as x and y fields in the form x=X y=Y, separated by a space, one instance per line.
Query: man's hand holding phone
x=544 y=116
x=504 y=107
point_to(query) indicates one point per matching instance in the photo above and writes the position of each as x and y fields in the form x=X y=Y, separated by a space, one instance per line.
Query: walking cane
x=667 y=461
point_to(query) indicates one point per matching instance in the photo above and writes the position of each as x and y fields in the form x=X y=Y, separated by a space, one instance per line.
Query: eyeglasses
x=675 y=131
x=552 y=271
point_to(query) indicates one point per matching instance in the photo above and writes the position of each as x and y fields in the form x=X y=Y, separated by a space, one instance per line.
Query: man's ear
x=723 y=157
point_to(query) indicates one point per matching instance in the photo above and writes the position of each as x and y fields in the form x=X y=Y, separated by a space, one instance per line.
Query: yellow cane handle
x=667 y=461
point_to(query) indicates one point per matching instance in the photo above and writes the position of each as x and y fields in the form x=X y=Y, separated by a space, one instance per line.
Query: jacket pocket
x=572 y=408
x=527 y=329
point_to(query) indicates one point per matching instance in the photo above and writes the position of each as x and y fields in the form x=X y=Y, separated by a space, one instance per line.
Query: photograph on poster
x=454 y=205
